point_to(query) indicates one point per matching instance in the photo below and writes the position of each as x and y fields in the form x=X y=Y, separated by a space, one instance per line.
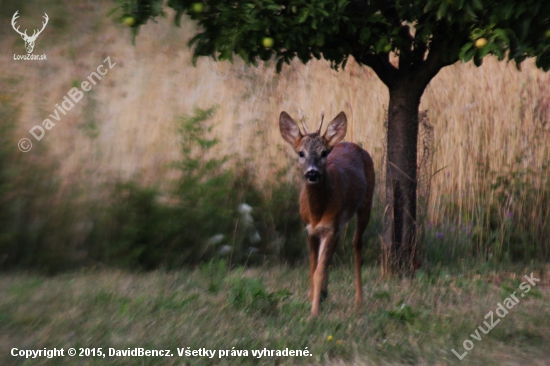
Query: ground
x=402 y=321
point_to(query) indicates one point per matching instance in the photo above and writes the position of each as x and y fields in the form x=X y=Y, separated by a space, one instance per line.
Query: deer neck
x=318 y=196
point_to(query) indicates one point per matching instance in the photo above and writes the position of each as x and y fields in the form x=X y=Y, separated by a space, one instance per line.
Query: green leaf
x=485 y=50
x=525 y=25
x=303 y=16
x=442 y=10
x=380 y=44
x=463 y=51
x=509 y=10
x=477 y=33
x=501 y=35
x=320 y=41
x=364 y=35
x=477 y=4
x=469 y=54
x=342 y=4
x=274 y=7
x=470 y=12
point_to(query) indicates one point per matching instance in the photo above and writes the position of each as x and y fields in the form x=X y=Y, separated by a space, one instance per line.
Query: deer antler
x=302 y=121
x=322 y=118
x=13 y=19
x=35 y=34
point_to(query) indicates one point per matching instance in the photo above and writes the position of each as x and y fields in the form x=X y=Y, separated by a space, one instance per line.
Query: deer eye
x=324 y=154
x=301 y=154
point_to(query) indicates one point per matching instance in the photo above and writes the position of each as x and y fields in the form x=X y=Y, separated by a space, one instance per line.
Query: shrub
x=36 y=226
x=213 y=210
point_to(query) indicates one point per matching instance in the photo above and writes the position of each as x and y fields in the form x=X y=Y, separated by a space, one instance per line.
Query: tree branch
x=406 y=54
x=381 y=66
x=420 y=48
x=428 y=68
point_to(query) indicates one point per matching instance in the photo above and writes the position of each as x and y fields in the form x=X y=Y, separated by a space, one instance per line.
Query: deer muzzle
x=313 y=176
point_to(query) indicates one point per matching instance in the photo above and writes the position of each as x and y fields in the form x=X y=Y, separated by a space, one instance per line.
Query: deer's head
x=312 y=148
x=29 y=40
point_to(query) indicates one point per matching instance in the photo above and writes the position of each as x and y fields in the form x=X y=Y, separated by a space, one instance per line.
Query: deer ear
x=336 y=130
x=289 y=130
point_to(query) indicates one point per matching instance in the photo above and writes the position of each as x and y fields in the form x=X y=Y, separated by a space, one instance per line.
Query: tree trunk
x=406 y=84
x=401 y=179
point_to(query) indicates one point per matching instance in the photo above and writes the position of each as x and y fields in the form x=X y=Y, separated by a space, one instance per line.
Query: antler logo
x=29 y=40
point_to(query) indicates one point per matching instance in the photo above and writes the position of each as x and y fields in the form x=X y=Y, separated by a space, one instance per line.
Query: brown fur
x=345 y=188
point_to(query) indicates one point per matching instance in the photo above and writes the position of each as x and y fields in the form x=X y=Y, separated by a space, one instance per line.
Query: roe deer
x=338 y=183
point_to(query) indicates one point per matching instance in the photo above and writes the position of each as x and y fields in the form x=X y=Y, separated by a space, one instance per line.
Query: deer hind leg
x=313 y=242
x=325 y=253
x=363 y=217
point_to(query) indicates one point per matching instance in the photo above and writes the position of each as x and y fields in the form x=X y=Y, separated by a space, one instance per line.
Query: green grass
x=401 y=321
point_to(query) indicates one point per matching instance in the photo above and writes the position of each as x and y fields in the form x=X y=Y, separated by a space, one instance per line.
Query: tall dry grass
x=488 y=119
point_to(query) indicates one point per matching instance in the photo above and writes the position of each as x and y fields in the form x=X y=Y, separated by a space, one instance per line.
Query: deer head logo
x=29 y=40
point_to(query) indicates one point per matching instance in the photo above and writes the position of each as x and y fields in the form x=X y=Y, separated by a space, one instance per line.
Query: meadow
x=122 y=227
x=402 y=322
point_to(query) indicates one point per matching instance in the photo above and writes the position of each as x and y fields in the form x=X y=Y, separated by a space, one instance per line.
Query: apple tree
x=424 y=35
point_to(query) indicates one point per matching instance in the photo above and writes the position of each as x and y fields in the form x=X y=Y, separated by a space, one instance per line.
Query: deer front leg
x=313 y=242
x=330 y=253
x=326 y=250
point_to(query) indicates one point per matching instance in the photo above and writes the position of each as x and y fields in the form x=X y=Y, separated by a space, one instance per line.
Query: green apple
x=197 y=7
x=547 y=33
x=268 y=42
x=387 y=48
x=481 y=42
x=129 y=21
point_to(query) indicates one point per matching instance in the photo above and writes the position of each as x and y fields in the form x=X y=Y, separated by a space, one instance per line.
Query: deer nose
x=313 y=175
